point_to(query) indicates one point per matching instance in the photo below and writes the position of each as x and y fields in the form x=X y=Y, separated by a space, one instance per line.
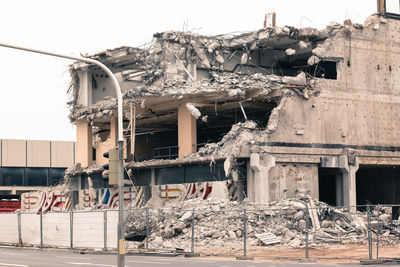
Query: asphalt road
x=17 y=257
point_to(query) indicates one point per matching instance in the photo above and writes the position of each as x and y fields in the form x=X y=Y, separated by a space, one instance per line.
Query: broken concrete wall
x=360 y=107
x=287 y=180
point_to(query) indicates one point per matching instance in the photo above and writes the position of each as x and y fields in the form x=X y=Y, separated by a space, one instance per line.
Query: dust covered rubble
x=220 y=223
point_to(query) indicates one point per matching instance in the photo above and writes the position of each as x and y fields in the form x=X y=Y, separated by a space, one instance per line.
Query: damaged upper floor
x=212 y=84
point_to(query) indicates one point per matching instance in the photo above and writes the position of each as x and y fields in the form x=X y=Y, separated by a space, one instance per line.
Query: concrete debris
x=231 y=143
x=274 y=118
x=290 y=51
x=193 y=110
x=220 y=223
x=303 y=45
x=268 y=238
x=313 y=60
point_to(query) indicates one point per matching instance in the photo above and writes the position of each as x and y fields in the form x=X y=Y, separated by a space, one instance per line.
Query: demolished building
x=268 y=114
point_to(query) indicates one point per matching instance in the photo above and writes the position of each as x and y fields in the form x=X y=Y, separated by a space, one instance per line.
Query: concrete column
x=187 y=132
x=83 y=150
x=349 y=181
x=339 y=190
x=260 y=165
x=85 y=88
x=13 y=191
x=250 y=182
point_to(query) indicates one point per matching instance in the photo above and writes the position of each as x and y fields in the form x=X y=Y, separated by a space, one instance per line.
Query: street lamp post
x=121 y=239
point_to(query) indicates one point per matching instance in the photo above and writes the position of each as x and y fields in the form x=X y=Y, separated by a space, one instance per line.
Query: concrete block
x=112 y=220
x=8 y=228
x=88 y=230
x=56 y=229
x=30 y=228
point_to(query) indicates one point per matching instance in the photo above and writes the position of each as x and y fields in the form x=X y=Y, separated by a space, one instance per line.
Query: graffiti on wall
x=49 y=199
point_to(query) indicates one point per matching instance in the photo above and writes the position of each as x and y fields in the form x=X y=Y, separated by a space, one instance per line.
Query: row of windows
x=22 y=176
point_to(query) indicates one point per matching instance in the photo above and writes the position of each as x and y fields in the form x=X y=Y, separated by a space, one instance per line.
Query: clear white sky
x=33 y=87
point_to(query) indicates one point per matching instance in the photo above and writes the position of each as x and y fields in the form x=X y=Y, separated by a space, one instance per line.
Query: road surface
x=18 y=257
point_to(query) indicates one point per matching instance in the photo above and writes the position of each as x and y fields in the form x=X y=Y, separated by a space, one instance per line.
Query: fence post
x=41 y=229
x=377 y=234
x=192 y=245
x=105 y=230
x=369 y=232
x=71 y=229
x=147 y=228
x=19 y=229
x=307 y=224
x=244 y=233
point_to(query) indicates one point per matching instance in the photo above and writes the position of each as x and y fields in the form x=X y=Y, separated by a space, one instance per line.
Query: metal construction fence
x=297 y=233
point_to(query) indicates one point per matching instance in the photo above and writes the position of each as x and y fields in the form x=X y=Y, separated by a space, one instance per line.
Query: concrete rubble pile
x=220 y=223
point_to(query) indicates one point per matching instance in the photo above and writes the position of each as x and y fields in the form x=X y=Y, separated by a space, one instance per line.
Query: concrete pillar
x=85 y=88
x=250 y=182
x=339 y=189
x=83 y=150
x=187 y=132
x=260 y=164
x=349 y=181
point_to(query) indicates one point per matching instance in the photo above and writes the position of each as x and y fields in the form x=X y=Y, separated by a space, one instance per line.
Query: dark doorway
x=330 y=186
x=378 y=185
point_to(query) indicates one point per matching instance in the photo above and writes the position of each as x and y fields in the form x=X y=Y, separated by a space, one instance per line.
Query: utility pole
x=120 y=239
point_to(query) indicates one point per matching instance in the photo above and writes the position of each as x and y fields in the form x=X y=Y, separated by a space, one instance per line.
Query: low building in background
x=28 y=165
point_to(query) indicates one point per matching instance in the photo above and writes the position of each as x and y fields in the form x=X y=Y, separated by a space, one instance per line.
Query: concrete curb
x=107 y=252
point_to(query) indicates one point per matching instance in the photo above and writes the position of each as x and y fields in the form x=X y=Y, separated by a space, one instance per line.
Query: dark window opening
x=56 y=175
x=12 y=176
x=276 y=61
x=94 y=154
x=324 y=69
x=36 y=176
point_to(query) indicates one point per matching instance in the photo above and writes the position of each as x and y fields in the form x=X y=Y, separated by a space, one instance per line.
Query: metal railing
x=167 y=152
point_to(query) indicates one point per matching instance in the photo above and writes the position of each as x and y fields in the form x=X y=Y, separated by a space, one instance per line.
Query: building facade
x=28 y=165
x=274 y=112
